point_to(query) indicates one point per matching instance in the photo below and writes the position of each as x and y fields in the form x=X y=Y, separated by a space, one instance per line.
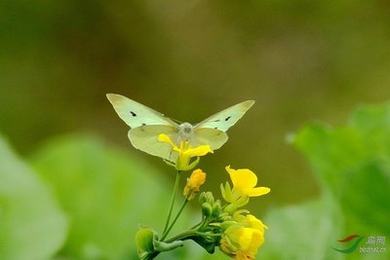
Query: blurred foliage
x=102 y=191
x=106 y=194
x=32 y=225
x=352 y=164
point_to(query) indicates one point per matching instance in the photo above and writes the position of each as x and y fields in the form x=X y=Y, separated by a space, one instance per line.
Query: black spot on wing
x=226 y=119
x=215 y=127
x=143 y=124
x=132 y=113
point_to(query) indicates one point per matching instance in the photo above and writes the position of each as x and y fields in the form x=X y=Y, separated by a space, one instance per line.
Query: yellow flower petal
x=243 y=242
x=254 y=222
x=255 y=192
x=198 y=151
x=244 y=182
x=245 y=238
x=242 y=179
x=165 y=139
x=256 y=241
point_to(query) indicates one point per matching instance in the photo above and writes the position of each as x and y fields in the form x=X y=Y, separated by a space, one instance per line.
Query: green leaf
x=107 y=193
x=353 y=162
x=365 y=199
x=31 y=224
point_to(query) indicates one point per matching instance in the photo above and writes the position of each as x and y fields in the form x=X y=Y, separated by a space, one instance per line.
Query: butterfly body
x=185 y=132
x=146 y=124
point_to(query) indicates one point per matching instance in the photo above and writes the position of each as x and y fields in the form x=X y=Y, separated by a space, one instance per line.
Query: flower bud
x=197 y=179
x=217 y=209
x=144 y=242
x=206 y=197
x=207 y=209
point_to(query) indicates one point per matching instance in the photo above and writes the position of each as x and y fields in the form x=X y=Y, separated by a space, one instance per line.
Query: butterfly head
x=185 y=131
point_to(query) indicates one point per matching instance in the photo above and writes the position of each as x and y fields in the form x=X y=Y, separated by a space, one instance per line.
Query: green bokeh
x=32 y=225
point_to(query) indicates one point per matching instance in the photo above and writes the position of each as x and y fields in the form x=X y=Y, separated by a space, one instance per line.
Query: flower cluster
x=224 y=224
x=239 y=234
x=243 y=237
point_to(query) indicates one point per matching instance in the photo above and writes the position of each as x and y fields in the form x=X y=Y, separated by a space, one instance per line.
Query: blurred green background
x=300 y=60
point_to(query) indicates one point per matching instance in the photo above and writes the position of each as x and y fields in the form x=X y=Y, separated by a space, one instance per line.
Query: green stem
x=197 y=225
x=175 y=187
x=208 y=234
x=165 y=234
x=182 y=236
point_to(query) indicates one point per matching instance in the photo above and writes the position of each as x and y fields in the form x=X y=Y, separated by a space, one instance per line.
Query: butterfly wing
x=135 y=114
x=146 y=124
x=145 y=138
x=212 y=130
x=209 y=136
x=226 y=118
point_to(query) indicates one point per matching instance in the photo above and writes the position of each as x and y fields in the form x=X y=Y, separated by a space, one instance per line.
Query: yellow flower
x=245 y=181
x=185 y=153
x=243 y=239
x=197 y=179
x=250 y=221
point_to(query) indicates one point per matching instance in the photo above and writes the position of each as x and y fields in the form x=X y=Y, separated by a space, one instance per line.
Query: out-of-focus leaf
x=305 y=231
x=107 y=195
x=31 y=224
x=353 y=162
x=331 y=151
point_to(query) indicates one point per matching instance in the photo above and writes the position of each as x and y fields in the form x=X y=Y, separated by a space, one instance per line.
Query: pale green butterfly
x=146 y=124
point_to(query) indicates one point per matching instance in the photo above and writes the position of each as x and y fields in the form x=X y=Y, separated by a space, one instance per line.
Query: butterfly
x=147 y=124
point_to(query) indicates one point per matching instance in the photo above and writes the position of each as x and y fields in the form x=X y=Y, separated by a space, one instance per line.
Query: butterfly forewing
x=226 y=118
x=135 y=114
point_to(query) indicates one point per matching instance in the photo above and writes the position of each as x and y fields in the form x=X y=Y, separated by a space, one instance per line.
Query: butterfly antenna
x=176 y=121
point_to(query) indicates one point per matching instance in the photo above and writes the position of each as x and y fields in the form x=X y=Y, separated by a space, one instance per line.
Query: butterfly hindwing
x=226 y=118
x=209 y=136
x=145 y=138
x=135 y=114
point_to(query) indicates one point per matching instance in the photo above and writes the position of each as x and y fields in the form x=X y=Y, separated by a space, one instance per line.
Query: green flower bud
x=207 y=209
x=206 y=197
x=202 y=197
x=144 y=242
x=217 y=209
